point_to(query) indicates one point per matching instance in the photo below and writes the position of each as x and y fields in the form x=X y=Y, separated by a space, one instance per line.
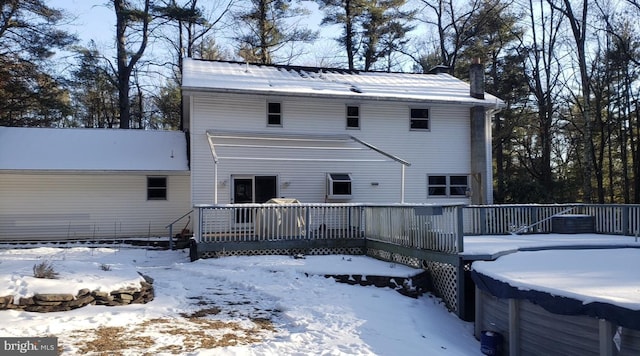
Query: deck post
x=483 y=221
x=478 y=319
x=625 y=222
x=514 y=327
x=462 y=293
x=460 y=229
x=171 y=237
x=200 y=223
x=606 y=337
x=307 y=222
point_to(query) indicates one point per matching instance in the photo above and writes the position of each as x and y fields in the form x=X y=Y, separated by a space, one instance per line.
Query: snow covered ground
x=267 y=305
x=277 y=305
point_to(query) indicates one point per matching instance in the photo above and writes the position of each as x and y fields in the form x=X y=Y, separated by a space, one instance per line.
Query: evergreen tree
x=385 y=28
x=95 y=91
x=267 y=26
x=30 y=93
x=131 y=22
x=349 y=14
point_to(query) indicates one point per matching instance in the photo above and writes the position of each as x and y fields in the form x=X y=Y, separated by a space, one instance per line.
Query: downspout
x=402 y=162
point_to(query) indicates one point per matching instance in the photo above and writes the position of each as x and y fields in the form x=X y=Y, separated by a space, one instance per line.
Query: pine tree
x=267 y=27
x=30 y=93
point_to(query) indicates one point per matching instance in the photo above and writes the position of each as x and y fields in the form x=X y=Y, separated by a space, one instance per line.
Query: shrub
x=105 y=267
x=44 y=269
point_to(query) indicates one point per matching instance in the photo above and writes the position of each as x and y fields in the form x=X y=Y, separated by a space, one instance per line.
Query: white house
x=61 y=184
x=330 y=135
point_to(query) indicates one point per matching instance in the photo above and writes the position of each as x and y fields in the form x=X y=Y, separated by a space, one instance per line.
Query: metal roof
x=235 y=77
x=51 y=149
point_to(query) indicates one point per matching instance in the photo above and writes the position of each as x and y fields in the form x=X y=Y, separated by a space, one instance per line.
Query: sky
x=95 y=20
x=90 y=20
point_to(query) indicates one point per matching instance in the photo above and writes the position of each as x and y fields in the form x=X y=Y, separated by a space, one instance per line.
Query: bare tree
x=578 y=22
x=543 y=73
x=453 y=25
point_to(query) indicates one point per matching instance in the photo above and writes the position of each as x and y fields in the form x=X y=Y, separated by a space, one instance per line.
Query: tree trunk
x=125 y=64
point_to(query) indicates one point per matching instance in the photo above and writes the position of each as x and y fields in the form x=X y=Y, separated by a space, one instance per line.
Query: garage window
x=156 y=188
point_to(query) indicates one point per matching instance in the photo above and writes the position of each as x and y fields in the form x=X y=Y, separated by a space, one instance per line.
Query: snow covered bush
x=44 y=269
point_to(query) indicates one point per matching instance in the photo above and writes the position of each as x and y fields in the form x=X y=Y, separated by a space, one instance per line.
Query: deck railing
x=504 y=219
x=415 y=226
x=268 y=222
x=434 y=228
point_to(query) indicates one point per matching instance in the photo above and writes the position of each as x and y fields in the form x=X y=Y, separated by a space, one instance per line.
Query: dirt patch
x=114 y=340
x=187 y=334
x=201 y=313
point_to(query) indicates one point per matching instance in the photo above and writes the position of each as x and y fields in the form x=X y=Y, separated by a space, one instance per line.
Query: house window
x=419 y=119
x=156 y=188
x=338 y=185
x=448 y=185
x=353 y=117
x=274 y=114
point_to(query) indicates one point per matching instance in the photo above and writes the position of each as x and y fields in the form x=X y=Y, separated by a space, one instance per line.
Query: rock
x=54 y=297
x=99 y=295
x=146 y=278
x=146 y=285
x=5 y=301
x=125 y=296
x=47 y=303
x=81 y=302
x=26 y=301
x=52 y=302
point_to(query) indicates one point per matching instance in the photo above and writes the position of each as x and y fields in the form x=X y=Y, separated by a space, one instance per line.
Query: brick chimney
x=476 y=79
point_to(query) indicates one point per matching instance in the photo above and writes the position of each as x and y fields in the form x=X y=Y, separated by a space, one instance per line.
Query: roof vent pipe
x=476 y=78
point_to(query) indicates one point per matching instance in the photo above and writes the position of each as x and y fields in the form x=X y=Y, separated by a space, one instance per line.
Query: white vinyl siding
x=41 y=206
x=386 y=129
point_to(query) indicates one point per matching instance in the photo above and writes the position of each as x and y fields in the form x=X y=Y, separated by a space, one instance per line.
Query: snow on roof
x=92 y=149
x=287 y=80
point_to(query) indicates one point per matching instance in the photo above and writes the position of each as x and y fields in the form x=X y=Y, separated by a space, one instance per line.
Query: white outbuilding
x=58 y=184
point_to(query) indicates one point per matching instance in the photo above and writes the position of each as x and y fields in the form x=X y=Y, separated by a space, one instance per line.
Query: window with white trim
x=447 y=185
x=156 y=188
x=274 y=114
x=339 y=186
x=353 y=117
x=419 y=120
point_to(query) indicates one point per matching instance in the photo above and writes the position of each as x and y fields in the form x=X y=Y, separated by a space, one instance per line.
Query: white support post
x=215 y=181
x=402 y=184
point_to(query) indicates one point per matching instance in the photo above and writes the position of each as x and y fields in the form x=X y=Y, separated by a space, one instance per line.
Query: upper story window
x=353 y=117
x=448 y=185
x=419 y=119
x=156 y=188
x=274 y=114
